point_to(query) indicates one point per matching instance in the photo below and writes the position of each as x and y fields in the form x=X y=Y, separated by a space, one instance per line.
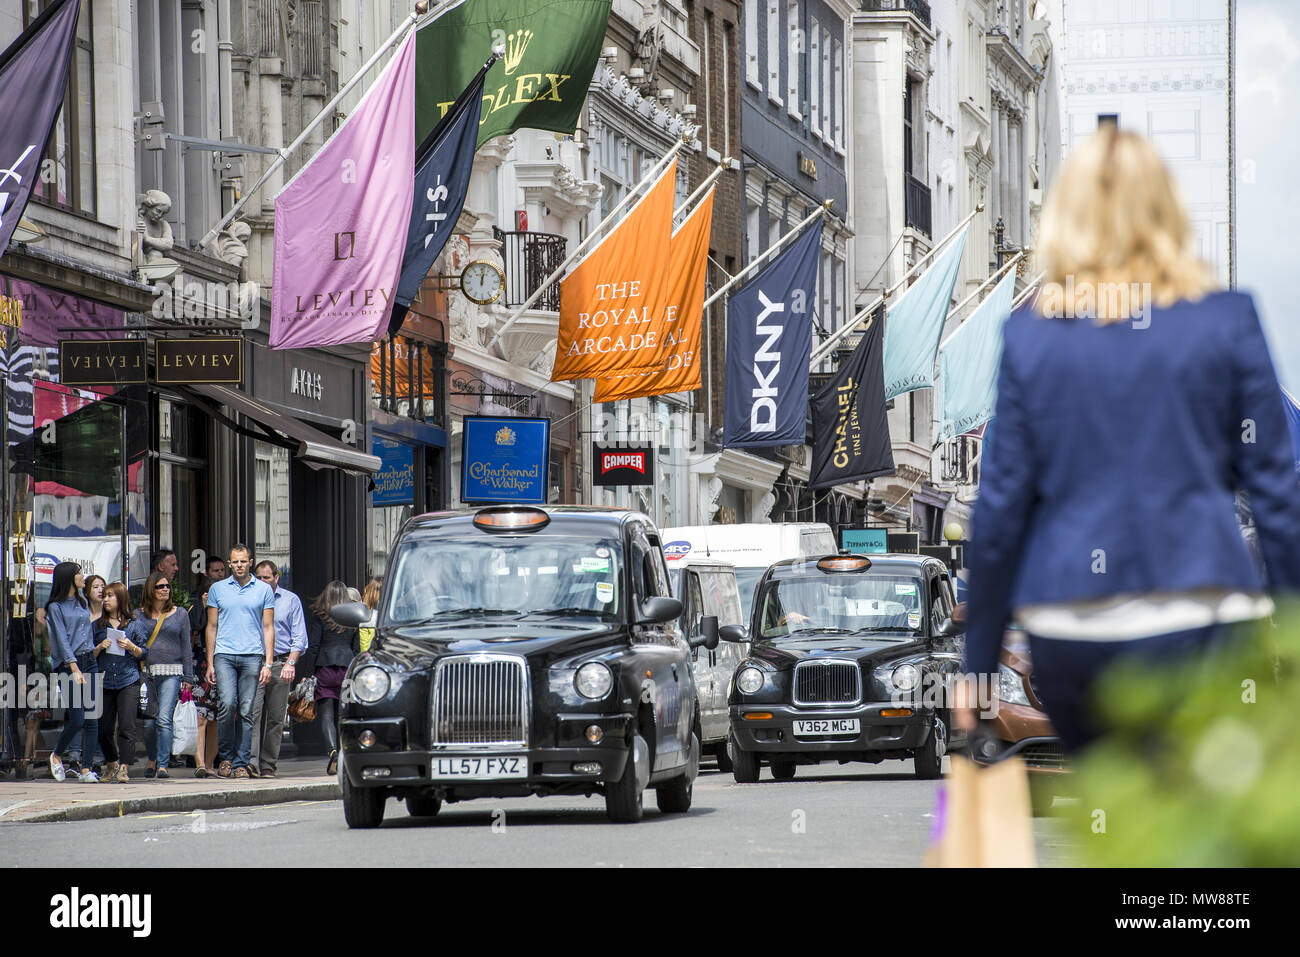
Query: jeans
x=269 y=714
x=236 y=687
x=120 y=709
x=169 y=689
x=85 y=698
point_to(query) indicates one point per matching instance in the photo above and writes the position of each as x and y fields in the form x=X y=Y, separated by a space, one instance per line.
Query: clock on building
x=482 y=281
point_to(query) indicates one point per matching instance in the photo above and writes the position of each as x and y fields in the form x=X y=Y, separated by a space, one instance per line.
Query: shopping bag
x=185 y=728
x=983 y=816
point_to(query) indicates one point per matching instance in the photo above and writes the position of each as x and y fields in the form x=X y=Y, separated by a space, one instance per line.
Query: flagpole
x=769 y=252
x=422 y=7
x=699 y=190
x=984 y=285
x=1033 y=285
x=578 y=250
x=825 y=349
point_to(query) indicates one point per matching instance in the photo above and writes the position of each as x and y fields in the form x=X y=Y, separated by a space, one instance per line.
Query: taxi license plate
x=826 y=726
x=480 y=768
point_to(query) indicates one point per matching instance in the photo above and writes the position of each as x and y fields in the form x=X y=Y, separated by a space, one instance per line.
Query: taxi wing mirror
x=708 y=636
x=950 y=628
x=351 y=614
x=659 y=609
x=733 y=633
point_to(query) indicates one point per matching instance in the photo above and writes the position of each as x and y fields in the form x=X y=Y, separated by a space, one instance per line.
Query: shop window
x=271 y=527
x=68 y=171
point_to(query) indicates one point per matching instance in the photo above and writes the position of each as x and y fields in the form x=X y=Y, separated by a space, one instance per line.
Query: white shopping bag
x=185 y=728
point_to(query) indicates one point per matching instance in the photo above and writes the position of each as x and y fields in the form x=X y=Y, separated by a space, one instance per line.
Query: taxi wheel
x=675 y=796
x=423 y=806
x=362 y=807
x=783 y=770
x=625 y=798
x=744 y=764
x=723 y=756
x=929 y=758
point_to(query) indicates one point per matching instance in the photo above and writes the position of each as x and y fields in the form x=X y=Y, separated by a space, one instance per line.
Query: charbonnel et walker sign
x=504 y=460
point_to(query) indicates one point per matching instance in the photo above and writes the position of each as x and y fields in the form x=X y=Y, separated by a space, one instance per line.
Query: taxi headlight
x=593 y=680
x=1011 y=686
x=749 y=680
x=906 y=677
x=370 y=684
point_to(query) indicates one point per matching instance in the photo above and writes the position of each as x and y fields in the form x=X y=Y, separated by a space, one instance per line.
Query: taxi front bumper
x=878 y=734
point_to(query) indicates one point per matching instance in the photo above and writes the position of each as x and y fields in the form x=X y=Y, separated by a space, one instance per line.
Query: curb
x=204 y=801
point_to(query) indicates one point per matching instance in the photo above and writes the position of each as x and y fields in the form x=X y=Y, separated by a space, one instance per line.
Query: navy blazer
x=1115 y=453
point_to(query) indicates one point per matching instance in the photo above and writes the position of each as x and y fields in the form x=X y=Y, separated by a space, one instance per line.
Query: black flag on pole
x=33 y=78
x=850 y=429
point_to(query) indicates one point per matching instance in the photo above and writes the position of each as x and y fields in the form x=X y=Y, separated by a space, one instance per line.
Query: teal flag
x=551 y=48
x=914 y=322
x=968 y=363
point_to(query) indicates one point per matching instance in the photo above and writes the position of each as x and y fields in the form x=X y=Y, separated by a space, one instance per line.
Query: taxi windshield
x=443 y=578
x=831 y=604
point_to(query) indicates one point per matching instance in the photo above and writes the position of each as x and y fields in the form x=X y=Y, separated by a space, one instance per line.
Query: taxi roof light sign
x=845 y=563
x=511 y=519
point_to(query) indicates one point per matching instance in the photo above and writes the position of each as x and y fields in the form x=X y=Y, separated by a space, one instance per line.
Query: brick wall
x=716 y=24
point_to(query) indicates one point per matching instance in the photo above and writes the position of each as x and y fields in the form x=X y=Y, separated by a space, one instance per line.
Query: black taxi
x=852 y=659
x=521 y=650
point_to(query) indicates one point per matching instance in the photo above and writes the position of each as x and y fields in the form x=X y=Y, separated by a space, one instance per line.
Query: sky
x=1268 y=173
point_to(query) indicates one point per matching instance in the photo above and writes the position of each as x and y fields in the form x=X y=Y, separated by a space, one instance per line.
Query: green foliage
x=1203 y=767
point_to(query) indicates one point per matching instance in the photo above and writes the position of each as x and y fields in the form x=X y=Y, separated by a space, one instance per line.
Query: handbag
x=302 y=700
x=983 y=817
x=148 y=709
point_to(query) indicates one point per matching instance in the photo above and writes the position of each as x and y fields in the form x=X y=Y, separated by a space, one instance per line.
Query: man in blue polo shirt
x=241 y=645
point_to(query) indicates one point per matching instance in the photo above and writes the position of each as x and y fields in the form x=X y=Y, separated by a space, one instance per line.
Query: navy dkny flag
x=769 y=339
x=443 y=163
x=33 y=78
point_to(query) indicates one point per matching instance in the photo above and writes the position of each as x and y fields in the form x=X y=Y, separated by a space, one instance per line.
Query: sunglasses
x=161 y=586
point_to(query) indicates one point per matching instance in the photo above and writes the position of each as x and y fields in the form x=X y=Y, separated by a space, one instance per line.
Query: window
x=751 y=14
x=706 y=76
x=793 y=57
x=826 y=84
x=725 y=147
x=814 y=76
x=837 y=94
x=1175 y=133
x=262 y=486
x=774 y=51
x=68 y=170
x=1104 y=118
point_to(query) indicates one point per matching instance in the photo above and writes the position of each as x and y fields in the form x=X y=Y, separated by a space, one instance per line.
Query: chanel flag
x=850 y=431
x=33 y=77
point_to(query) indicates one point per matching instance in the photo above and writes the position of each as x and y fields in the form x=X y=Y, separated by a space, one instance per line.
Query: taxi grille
x=827 y=682
x=480 y=701
x=1045 y=755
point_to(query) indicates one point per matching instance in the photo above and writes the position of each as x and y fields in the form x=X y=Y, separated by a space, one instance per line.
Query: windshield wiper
x=820 y=631
x=552 y=612
x=881 y=628
x=440 y=615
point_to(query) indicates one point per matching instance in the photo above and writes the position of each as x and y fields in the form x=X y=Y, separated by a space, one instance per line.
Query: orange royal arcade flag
x=683 y=298
x=610 y=315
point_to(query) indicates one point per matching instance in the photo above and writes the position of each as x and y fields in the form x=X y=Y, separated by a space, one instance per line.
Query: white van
x=750 y=548
x=708 y=587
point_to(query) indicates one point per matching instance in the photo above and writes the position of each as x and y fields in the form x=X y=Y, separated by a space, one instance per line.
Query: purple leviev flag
x=33 y=77
x=341 y=223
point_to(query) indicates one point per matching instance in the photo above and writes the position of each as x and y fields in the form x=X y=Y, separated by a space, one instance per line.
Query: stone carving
x=709 y=501
x=232 y=244
x=156 y=239
x=765 y=506
x=544 y=361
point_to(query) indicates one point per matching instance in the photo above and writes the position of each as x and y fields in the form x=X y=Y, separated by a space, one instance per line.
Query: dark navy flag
x=443 y=163
x=850 y=428
x=769 y=338
x=33 y=77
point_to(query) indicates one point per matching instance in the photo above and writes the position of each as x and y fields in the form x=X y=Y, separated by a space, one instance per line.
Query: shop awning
x=313 y=447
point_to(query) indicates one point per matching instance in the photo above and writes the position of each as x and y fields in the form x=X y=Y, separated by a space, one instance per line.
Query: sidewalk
x=42 y=799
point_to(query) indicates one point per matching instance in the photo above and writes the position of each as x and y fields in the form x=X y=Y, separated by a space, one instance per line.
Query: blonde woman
x=1134 y=399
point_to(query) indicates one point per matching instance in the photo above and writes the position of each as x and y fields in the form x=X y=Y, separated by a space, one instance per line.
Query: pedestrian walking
x=1132 y=401
x=331 y=648
x=93 y=591
x=272 y=700
x=164 y=629
x=72 y=647
x=240 y=643
x=119 y=662
x=205 y=699
x=366 y=633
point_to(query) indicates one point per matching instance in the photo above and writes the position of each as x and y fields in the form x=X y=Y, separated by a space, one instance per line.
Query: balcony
x=917 y=204
x=917 y=8
x=529 y=259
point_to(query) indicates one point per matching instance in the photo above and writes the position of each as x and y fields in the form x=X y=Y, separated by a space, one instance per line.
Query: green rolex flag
x=551 y=48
